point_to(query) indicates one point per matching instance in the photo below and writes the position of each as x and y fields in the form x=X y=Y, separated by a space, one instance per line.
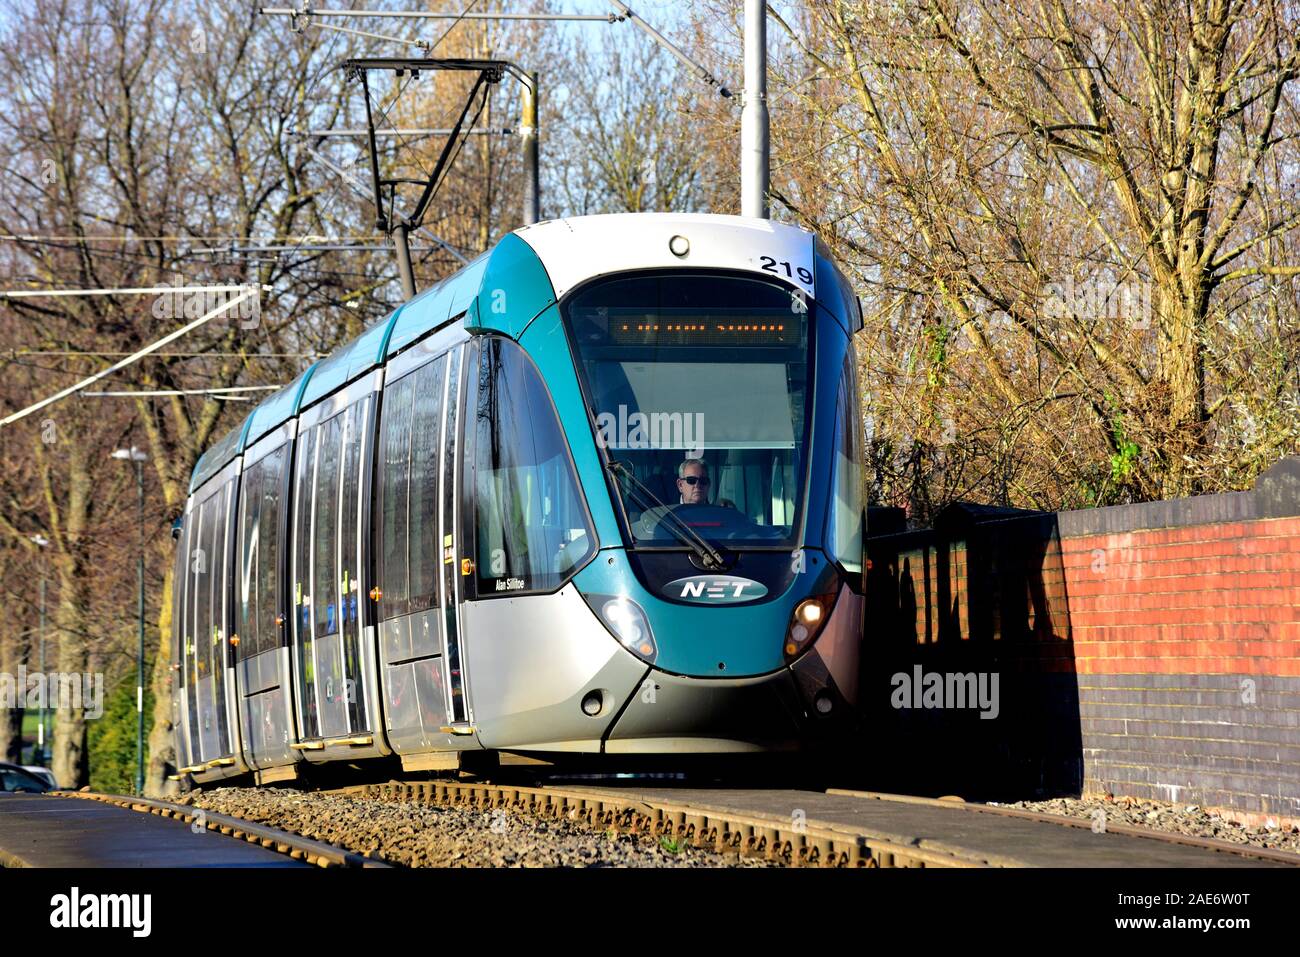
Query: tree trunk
x=70 y=764
x=11 y=719
x=162 y=747
x=1182 y=374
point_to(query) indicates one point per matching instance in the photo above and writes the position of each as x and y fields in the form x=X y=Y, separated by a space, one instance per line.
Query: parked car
x=16 y=780
x=45 y=774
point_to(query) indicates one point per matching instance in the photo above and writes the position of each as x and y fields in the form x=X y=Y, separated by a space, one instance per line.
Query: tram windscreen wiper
x=709 y=555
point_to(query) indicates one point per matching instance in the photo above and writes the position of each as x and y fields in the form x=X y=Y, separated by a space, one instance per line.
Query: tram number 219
x=771 y=264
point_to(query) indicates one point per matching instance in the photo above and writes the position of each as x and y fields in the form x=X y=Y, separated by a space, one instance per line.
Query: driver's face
x=696 y=490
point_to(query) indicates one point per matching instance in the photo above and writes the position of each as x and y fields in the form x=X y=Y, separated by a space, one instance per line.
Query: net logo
x=715 y=589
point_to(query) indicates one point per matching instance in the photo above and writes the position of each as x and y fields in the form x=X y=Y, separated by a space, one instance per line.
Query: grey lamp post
x=139 y=458
x=42 y=542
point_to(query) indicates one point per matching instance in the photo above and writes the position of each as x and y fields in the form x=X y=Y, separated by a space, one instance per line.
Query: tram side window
x=426 y=436
x=190 y=627
x=410 y=437
x=259 y=528
x=220 y=602
x=395 y=469
x=325 y=529
x=846 y=520
x=302 y=499
x=246 y=599
x=217 y=628
x=202 y=569
x=305 y=470
x=532 y=526
x=268 y=571
x=353 y=434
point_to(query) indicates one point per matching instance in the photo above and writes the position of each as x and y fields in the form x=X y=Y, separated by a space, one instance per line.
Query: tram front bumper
x=671 y=714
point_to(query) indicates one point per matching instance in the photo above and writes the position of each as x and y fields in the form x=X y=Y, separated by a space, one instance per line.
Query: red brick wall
x=1201 y=599
x=1204 y=599
x=1151 y=650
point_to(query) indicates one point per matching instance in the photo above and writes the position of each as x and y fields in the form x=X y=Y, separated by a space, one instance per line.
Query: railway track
x=840 y=828
x=833 y=828
x=721 y=831
x=1247 y=851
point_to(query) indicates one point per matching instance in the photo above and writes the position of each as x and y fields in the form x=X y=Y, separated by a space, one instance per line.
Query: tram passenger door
x=263 y=668
x=176 y=684
x=198 y=611
x=185 y=698
x=413 y=456
x=327 y=587
x=456 y=555
x=204 y=653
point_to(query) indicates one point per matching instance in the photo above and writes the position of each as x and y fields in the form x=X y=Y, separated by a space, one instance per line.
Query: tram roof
x=540 y=263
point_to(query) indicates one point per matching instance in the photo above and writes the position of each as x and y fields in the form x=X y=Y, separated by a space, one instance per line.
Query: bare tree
x=136 y=131
x=1074 y=223
x=625 y=137
x=146 y=143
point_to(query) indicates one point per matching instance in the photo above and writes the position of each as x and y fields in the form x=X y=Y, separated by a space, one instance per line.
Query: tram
x=599 y=493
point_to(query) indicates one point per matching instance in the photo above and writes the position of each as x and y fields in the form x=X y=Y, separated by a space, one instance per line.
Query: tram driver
x=693 y=484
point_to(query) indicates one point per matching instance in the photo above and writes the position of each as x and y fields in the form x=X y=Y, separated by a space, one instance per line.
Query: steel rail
x=300 y=848
x=716 y=829
x=1065 y=820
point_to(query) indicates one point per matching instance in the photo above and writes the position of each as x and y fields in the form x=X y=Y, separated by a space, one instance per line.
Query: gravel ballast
x=426 y=835
x=1174 y=818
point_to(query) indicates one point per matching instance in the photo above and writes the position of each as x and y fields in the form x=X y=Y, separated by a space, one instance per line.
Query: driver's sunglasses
x=695 y=479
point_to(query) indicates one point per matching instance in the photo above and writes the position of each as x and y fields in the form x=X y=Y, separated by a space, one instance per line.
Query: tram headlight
x=809 y=617
x=626 y=619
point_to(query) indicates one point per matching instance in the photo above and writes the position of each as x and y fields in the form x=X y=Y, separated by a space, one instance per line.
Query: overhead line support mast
x=489 y=73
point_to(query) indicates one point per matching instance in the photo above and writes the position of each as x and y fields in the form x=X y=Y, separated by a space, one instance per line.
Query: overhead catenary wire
x=139 y=354
x=347 y=177
x=427 y=131
x=463 y=15
x=302 y=17
x=311 y=247
x=624 y=13
x=135 y=255
x=341 y=172
x=241 y=293
x=429 y=15
x=424 y=45
x=676 y=51
x=162 y=392
x=14 y=353
x=40 y=238
x=131 y=291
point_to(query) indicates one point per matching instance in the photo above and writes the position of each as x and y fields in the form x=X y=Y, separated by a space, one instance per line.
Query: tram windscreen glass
x=699 y=386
